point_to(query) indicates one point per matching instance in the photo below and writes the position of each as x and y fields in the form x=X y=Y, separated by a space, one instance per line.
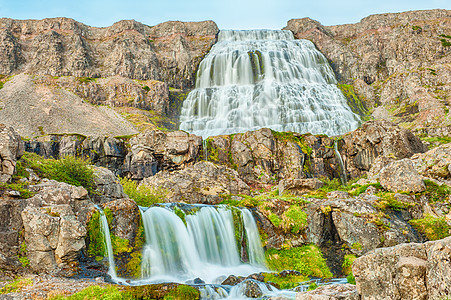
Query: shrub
x=143 y=195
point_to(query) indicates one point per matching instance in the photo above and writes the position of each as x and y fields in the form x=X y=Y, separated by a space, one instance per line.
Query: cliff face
x=168 y=52
x=398 y=63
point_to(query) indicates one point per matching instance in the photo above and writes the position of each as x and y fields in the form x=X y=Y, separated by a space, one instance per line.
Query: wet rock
x=232 y=280
x=126 y=218
x=11 y=149
x=331 y=292
x=203 y=182
x=251 y=289
x=406 y=271
x=401 y=176
x=198 y=281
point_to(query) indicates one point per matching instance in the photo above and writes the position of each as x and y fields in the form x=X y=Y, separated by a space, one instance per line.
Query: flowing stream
x=265 y=78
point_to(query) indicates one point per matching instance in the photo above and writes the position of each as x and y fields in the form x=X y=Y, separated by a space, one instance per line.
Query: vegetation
x=183 y=292
x=355 y=103
x=435 y=192
x=351 y=279
x=16 y=285
x=86 y=79
x=69 y=169
x=285 y=282
x=307 y=259
x=446 y=40
x=435 y=141
x=146 y=88
x=143 y=195
x=433 y=228
x=96 y=244
x=347 y=263
x=96 y=292
x=22 y=255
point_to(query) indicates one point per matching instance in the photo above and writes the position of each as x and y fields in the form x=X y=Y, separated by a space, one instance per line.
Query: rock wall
x=169 y=52
x=397 y=63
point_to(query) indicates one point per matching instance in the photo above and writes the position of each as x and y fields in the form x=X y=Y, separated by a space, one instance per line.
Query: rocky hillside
x=397 y=64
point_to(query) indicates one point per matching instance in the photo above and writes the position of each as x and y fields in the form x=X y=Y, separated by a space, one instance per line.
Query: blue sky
x=228 y=14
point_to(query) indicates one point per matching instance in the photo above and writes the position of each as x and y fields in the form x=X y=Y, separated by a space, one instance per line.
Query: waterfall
x=265 y=78
x=104 y=228
x=343 y=176
x=205 y=247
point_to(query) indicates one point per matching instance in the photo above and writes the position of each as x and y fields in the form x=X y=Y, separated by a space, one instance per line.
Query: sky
x=228 y=14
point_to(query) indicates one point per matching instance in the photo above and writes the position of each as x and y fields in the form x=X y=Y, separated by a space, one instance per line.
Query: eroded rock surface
x=11 y=149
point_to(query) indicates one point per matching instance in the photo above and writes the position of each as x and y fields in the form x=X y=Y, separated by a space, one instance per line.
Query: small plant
x=22 y=255
x=16 y=285
x=433 y=228
x=146 y=88
x=86 y=79
x=312 y=286
x=351 y=279
x=347 y=263
x=416 y=28
x=435 y=192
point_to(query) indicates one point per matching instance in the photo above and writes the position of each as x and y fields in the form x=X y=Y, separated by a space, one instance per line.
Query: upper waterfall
x=265 y=78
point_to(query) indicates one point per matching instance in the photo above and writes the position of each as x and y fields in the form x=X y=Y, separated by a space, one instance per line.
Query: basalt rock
x=203 y=182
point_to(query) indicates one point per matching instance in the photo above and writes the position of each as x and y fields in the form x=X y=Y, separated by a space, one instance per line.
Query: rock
x=126 y=218
x=406 y=271
x=155 y=150
x=377 y=138
x=401 y=176
x=331 y=292
x=64 y=47
x=203 y=182
x=251 y=288
x=299 y=186
x=107 y=184
x=232 y=280
x=434 y=163
x=11 y=149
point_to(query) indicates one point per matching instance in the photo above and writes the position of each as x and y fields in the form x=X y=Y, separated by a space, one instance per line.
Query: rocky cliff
x=398 y=64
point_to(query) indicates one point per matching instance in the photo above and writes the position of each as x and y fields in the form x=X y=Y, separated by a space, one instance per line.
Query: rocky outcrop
x=203 y=182
x=406 y=271
x=398 y=61
x=53 y=222
x=169 y=51
x=400 y=175
x=377 y=138
x=331 y=292
x=435 y=163
x=156 y=150
x=11 y=149
x=107 y=185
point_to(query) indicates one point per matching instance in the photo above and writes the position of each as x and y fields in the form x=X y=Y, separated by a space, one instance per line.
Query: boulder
x=400 y=175
x=434 y=163
x=107 y=184
x=299 y=186
x=406 y=271
x=377 y=138
x=11 y=149
x=203 y=182
x=331 y=292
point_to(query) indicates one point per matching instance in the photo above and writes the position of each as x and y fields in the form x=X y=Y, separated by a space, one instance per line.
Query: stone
x=434 y=163
x=11 y=149
x=298 y=187
x=203 y=182
x=377 y=138
x=251 y=289
x=401 y=176
x=107 y=184
x=406 y=271
x=331 y=292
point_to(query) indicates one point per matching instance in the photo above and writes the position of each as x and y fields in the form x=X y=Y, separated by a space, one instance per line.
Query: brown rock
x=400 y=175
x=331 y=292
x=299 y=186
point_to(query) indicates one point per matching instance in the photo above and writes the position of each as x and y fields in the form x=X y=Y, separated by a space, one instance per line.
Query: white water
x=265 y=78
x=104 y=228
x=343 y=177
x=205 y=248
x=254 y=248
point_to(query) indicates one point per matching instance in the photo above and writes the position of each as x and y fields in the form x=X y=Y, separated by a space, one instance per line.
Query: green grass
x=347 y=263
x=69 y=169
x=285 y=282
x=98 y=293
x=306 y=259
x=433 y=228
x=435 y=192
x=142 y=195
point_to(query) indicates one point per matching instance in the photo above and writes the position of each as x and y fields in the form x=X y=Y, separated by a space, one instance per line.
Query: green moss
x=96 y=292
x=180 y=214
x=347 y=263
x=388 y=200
x=312 y=286
x=435 y=192
x=134 y=264
x=120 y=245
x=16 y=286
x=86 y=79
x=237 y=225
x=351 y=279
x=416 y=28
x=355 y=103
x=96 y=241
x=146 y=88
x=275 y=220
x=143 y=195
x=69 y=169
x=294 y=219
x=433 y=228
x=285 y=282
x=183 y=292
x=19 y=187
x=307 y=259
x=22 y=255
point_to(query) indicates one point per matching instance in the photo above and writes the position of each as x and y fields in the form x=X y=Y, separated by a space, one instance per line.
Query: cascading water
x=203 y=248
x=105 y=230
x=265 y=78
